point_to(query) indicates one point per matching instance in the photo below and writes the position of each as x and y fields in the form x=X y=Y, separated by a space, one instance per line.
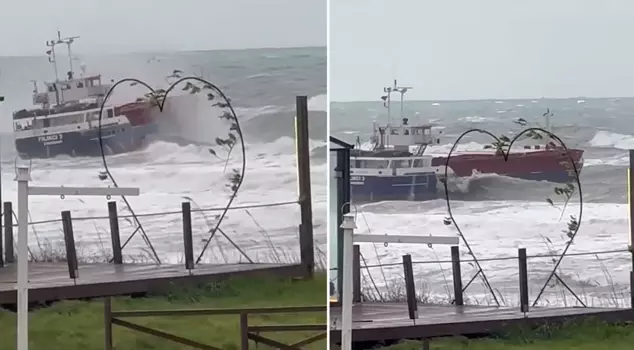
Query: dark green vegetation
x=588 y=335
x=80 y=324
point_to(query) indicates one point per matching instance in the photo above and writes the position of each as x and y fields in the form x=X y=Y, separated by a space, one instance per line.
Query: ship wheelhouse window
x=51 y=88
x=110 y=114
x=394 y=131
x=371 y=163
x=420 y=163
x=401 y=163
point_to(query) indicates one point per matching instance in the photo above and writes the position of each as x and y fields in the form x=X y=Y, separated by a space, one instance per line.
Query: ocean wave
x=318 y=103
x=476 y=119
x=486 y=224
x=618 y=160
x=607 y=139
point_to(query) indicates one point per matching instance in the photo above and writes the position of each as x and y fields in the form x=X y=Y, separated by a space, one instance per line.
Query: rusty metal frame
x=246 y=332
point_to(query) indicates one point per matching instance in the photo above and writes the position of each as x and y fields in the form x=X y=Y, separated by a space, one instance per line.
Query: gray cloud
x=115 y=26
x=467 y=49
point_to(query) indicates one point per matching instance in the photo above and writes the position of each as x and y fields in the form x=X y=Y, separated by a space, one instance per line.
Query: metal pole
x=630 y=197
x=343 y=208
x=630 y=246
x=348 y=227
x=23 y=177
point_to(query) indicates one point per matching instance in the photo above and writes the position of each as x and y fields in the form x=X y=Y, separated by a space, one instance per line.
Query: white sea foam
x=534 y=224
x=612 y=140
x=318 y=103
x=167 y=173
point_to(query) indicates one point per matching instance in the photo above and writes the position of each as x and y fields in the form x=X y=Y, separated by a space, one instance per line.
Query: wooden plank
x=390 y=321
x=50 y=281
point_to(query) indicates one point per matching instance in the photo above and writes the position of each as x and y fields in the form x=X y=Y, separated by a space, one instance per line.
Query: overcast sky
x=160 y=25
x=466 y=49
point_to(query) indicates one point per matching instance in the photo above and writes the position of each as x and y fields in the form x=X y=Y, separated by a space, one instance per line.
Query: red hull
x=138 y=113
x=550 y=165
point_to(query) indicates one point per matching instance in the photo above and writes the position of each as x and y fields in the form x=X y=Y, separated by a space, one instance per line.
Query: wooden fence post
x=457 y=276
x=523 y=272
x=115 y=237
x=306 y=243
x=187 y=235
x=69 y=239
x=8 y=233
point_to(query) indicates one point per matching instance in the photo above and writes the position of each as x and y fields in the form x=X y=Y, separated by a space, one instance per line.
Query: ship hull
x=116 y=139
x=547 y=165
x=419 y=187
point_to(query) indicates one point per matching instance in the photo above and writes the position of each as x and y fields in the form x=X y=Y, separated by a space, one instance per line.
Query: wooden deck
x=50 y=281
x=377 y=322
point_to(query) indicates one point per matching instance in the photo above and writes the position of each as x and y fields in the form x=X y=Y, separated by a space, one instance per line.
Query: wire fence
x=163 y=213
x=503 y=258
x=578 y=283
x=248 y=235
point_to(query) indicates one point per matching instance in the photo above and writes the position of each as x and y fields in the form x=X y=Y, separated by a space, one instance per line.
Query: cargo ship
x=389 y=171
x=66 y=119
x=396 y=168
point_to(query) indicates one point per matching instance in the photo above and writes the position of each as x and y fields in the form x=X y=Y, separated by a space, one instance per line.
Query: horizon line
x=499 y=99
x=177 y=51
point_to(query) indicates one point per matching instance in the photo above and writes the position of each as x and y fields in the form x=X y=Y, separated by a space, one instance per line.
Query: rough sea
x=499 y=214
x=262 y=85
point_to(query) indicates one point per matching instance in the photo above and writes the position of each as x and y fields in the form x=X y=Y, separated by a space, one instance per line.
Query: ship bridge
x=70 y=90
x=401 y=137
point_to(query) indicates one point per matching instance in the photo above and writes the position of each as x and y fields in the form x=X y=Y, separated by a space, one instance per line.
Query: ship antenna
x=51 y=56
x=402 y=90
x=387 y=99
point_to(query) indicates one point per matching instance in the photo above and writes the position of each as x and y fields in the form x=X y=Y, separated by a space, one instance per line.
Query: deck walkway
x=50 y=281
x=377 y=322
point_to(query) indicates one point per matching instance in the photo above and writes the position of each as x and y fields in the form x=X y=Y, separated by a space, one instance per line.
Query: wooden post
x=410 y=288
x=187 y=235
x=523 y=272
x=107 y=323
x=69 y=239
x=244 y=331
x=8 y=233
x=115 y=237
x=457 y=276
x=307 y=252
x=356 y=273
x=631 y=289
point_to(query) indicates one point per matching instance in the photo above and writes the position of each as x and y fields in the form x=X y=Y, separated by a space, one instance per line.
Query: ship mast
x=51 y=53
x=402 y=90
x=547 y=116
x=387 y=99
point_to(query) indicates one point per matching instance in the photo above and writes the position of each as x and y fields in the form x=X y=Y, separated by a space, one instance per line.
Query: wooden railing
x=246 y=332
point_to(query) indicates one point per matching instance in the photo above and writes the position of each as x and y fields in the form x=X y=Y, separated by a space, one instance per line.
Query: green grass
x=587 y=335
x=80 y=324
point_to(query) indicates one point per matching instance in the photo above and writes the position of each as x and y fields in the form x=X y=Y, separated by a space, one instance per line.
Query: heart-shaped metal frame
x=505 y=154
x=160 y=103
